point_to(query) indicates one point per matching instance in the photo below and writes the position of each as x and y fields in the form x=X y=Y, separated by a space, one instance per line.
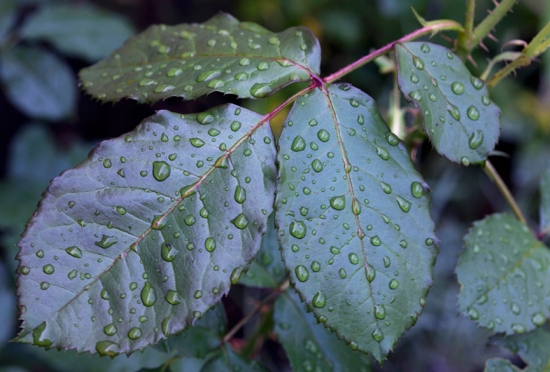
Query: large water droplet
x=168 y=252
x=473 y=113
x=172 y=297
x=476 y=139
x=417 y=189
x=418 y=63
x=323 y=135
x=205 y=118
x=375 y=240
x=148 y=296
x=134 y=333
x=301 y=273
x=298 y=229
x=74 y=251
x=454 y=111
x=110 y=329
x=403 y=204
x=106 y=241
x=299 y=144
x=317 y=165
x=161 y=170
x=386 y=188
x=353 y=258
x=457 y=88
x=378 y=335
x=260 y=90
x=319 y=300
x=37 y=338
x=196 y=142
x=338 y=202
x=107 y=348
x=379 y=312
x=370 y=273
x=240 y=222
x=315 y=266
x=538 y=319
x=210 y=244
x=394 y=284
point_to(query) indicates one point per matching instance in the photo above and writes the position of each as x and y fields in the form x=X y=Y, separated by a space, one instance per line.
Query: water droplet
x=382 y=153
x=301 y=273
x=416 y=95
x=518 y=328
x=392 y=139
x=338 y=202
x=168 y=252
x=260 y=90
x=240 y=194
x=465 y=161
x=236 y=275
x=425 y=48
x=240 y=222
x=473 y=113
x=538 y=319
x=172 y=297
x=323 y=135
x=299 y=144
x=174 y=72
x=298 y=229
x=210 y=244
x=353 y=258
x=430 y=241
x=196 y=142
x=148 y=296
x=241 y=76
x=403 y=204
x=104 y=294
x=107 y=163
x=387 y=262
x=44 y=286
x=370 y=273
x=418 y=63
x=319 y=300
x=74 y=251
x=379 y=312
x=134 y=333
x=414 y=79
x=386 y=188
x=25 y=270
x=110 y=329
x=476 y=139
x=161 y=170
x=356 y=207
x=417 y=190
x=457 y=88
x=208 y=75
x=378 y=335
x=106 y=241
x=515 y=308
x=485 y=100
x=315 y=266
x=476 y=82
x=197 y=294
x=313 y=123
x=432 y=97
x=40 y=253
x=317 y=165
x=394 y=284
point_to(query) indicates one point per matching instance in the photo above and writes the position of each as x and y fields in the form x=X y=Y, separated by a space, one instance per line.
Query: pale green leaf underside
x=78 y=30
x=460 y=119
x=532 y=347
x=545 y=200
x=309 y=345
x=141 y=238
x=504 y=277
x=191 y=60
x=38 y=83
x=353 y=218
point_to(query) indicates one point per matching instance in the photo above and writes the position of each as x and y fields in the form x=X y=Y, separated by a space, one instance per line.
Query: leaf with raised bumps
x=504 y=276
x=460 y=119
x=139 y=240
x=192 y=60
x=353 y=218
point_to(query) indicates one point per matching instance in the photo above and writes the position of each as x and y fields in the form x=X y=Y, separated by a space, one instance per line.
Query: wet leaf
x=460 y=119
x=191 y=60
x=309 y=345
x=353 y=219
x=504 y=277
x=78 y=30
x=532 y=347
x=38 y=83
x=545 y=200
x=267 y=269
x=500 y=365
x=139 y=240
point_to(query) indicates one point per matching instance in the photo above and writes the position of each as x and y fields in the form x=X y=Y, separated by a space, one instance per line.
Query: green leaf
x=38 y=83
x=504 y=277
x=228 y=360
x=460 y=119
x=532 y=347
x=353 y=219
x=309 y=345
x=191 y=60
x=146 y=234
x=500 y=365
x=78 y=30
x=8 y=17
x=7 y=310
x=545 y=201
x=268 y=269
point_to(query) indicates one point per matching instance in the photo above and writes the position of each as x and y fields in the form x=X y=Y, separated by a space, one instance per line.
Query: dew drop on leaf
x=302 y=273
x=74 y=251
x=161 y=170
x=172 y=297
x=298 y=229
x=319 y=300
x=148 y=296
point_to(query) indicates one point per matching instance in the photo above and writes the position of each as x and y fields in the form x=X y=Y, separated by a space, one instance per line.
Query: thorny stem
x=485 y=27
x=276 y=293
x=385 y=49
x=495 y=177
x=464 y=37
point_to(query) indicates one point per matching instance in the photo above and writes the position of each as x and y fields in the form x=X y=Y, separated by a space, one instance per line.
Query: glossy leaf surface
x=309 y=345
x=145 y=235
x=460 y=119
x=267 y=269
x=78 y=30
x=191 y=60
x=353 y=219
x=38 y=83
x=504 y=276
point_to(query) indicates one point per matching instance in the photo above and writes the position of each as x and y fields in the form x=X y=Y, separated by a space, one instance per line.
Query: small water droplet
x=425 y=48
x=74 y=251
x=302 y=273
x=107 y=348
x=148 y=296
x=403 y=204
x=338 y=202
x=240 y=222
x=208 y=75
x=454 y=111
x=485 y=100
x=260 y=90
x=465 y=161
x=403 y=244
x=315 y=266
x=386 y=188
x=394 y=284
x=473 y=113
x=377 y=335
x=417 y=189
x=379 y=312
x=319 y=300
x=210 y=244
x=418 y=63
x=298 y=229
x=538 y=319
x=414 y=79
x=236 y=275
x=323 y=135
x=299 y=144
x=416 y=95
x=110 y=329
x=317 y=165
x=48 y=269
x=134 y=333
x=457 y=88
x=375 y=240
x=476 y=82
x=168 y=252
x=476 y=139
x=518 y=328
x=353 y=258
x=370 y=273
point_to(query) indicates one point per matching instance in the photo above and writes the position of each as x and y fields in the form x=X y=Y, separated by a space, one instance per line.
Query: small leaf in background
x=353 y=218
x=267 y=269
x=38 y=83
x=80 y=30
x=545 y=201
x=139 y=240
x=532 y=347
x=191 y=60
x=460 y=119
x=309 y=345
x=504 y=276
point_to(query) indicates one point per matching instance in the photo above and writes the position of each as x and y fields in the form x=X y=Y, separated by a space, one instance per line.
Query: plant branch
x=485 y=27
x=429 y=29
x=495 y=177
x=539 y=44
x=521 y=61
x=464 y=37
x=276 y=293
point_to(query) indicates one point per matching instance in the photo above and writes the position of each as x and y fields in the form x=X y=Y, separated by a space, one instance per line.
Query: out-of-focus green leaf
x=191 y=60
x=8 y=17
x=460 y=119
x=500 y=365
x=38 y=83
x=139 y=240
x=545 y=200
x=504 y=276
x=268 y=269
x=532 y=347
x=228 y=360
x=353 y=218
x=80 y=30
x=309 y=345
x=7 y=307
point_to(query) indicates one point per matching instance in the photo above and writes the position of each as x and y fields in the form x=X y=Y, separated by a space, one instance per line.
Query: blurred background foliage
x=47 y=125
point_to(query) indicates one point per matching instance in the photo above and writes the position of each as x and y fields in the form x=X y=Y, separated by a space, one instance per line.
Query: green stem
x=440 y=26
x=253 y=312
x=539 y=43
x=485 y=27
x=495 y=177
x=464 y=37
x=506 y=70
